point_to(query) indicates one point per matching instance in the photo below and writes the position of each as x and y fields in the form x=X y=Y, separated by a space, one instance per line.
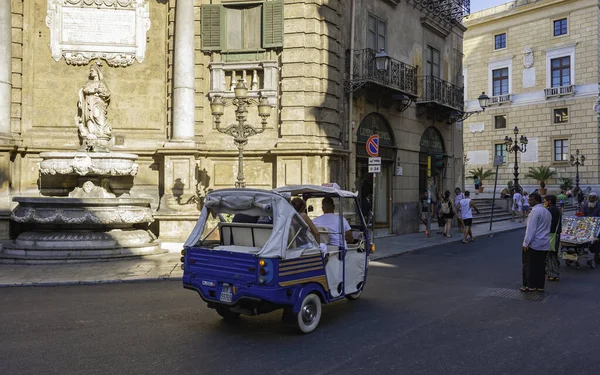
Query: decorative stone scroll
x=113 y=30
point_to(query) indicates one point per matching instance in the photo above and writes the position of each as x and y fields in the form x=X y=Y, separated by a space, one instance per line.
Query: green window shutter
x=273 y=24
x=211 y=27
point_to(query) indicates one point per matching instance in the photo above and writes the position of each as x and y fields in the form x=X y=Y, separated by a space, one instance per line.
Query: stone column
x=183 y=72
x=5 y=67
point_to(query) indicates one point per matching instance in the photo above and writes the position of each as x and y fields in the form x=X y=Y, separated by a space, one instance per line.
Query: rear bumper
x=250 y=300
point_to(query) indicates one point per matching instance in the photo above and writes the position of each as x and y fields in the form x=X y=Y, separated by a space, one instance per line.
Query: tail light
x=183 y=252
x=265 y=270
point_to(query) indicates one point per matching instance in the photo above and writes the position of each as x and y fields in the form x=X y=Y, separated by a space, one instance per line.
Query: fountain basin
x=89 y=163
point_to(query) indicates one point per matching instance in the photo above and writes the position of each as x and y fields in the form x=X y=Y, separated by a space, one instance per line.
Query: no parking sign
x=372 y=145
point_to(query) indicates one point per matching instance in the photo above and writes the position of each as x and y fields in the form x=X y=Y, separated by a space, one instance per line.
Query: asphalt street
x=446 y=310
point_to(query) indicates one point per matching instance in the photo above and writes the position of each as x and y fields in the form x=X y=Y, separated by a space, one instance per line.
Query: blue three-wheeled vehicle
x=252 y=253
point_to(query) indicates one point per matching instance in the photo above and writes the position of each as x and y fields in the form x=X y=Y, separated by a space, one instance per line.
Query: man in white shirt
x=331 y=221
x=466 y=208
x=536 y=245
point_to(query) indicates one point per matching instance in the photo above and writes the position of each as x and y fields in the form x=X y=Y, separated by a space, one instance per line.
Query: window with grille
x=500 y=41
x=500 y=150
x=500 y=82
x=560 y=27
x=561 y=150
x=560 y=69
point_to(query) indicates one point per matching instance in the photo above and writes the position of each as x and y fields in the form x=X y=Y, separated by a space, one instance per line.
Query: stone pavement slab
x=168 y=267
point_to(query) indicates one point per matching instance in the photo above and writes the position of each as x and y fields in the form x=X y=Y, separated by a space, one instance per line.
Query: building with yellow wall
x=538 y=61
x=296 y=54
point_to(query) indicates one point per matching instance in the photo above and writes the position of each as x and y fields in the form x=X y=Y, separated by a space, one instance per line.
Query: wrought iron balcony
x=435 y=91
x=398 y=76
x=449 y=12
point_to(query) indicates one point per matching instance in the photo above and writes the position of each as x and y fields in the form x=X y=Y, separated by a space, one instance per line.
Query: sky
x=477 y=5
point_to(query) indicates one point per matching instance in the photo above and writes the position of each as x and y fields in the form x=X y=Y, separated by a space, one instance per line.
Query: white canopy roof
x=253 y=202
x=331 y=189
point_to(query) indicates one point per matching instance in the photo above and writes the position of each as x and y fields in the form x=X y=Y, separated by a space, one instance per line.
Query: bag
x=446 y=208
x=553 y=242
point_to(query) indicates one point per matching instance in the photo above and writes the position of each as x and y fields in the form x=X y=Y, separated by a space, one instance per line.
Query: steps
x=501 y=212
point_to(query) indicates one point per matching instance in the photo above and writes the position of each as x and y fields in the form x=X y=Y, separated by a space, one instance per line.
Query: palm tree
x=541 y=174
x=481 y=174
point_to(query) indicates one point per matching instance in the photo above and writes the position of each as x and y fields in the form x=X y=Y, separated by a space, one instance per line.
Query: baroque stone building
x=538 y=62
x=166 y=60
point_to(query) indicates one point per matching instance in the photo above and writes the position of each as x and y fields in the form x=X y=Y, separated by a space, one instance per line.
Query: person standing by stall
x=552 y=262
x=536 y=245
x=591 y=208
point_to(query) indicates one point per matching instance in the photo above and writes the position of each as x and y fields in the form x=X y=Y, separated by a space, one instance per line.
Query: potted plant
x=566 y=183
x=481 y=175
x=541 y=174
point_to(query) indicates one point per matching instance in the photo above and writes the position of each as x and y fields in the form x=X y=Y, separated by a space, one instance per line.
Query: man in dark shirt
x=591 y=208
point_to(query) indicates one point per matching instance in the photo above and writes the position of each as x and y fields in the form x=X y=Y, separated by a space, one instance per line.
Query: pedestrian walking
x=466 y=208
x=536 y=245
x=517 y=206
x=458 y=196
x=476 y=184
x=552 y=262
x=447 y=210
x=526 y=206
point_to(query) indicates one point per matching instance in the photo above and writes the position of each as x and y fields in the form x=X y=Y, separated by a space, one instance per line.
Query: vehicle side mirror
x=311 y=208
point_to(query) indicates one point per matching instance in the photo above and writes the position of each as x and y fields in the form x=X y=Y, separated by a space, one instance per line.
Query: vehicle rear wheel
x=307 y=319
x=226 y=313
x=354 y=296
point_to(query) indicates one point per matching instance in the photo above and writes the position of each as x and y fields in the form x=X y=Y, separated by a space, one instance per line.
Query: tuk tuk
x=266 y=257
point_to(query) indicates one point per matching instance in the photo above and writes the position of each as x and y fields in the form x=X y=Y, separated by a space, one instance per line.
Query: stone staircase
x=501 y=211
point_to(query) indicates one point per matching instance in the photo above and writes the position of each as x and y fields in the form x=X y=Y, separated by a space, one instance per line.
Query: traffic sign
x=498 y=160
x=372 y=145
x=374 y=161
x=374 y=168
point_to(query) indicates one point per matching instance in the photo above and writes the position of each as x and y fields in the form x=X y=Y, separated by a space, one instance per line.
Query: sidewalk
x=167 y=266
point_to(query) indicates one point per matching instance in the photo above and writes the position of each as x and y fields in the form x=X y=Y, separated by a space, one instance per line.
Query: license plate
x=225 y=297
x=225 y=293
x=567 y=256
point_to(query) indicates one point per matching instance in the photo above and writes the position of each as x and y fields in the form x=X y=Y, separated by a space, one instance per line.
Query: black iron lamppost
x=577 y=160
x=242 y=130
x=517 y=146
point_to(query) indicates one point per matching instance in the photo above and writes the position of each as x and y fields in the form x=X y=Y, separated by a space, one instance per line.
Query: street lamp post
x=577 y=160
x=519 y=145
x=241 y=130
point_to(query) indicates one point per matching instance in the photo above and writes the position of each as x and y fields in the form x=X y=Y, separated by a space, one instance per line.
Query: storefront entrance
x=374 y=123
x=432 y=144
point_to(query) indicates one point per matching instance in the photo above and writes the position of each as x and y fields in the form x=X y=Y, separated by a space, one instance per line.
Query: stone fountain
x=95 y=221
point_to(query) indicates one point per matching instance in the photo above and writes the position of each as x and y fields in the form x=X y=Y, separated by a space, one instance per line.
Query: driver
x=331 y=221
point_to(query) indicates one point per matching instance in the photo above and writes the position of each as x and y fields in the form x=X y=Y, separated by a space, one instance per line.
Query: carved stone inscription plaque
x=98 y=26
x=113 y=30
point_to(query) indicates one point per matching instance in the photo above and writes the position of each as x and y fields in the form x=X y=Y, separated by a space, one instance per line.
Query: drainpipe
x=349 y=134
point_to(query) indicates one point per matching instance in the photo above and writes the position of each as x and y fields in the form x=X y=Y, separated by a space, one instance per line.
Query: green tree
x=481 y=174
x=541 y=174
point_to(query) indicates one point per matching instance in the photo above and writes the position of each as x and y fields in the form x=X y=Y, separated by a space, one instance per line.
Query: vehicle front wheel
x=307 y=319
x=226 y=313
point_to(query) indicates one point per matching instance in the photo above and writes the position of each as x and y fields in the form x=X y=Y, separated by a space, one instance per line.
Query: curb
x=92 y=282
x=445 y=243
x=178 y=278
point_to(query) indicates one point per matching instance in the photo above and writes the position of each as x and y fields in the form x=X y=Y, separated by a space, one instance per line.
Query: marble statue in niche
x=92 y=112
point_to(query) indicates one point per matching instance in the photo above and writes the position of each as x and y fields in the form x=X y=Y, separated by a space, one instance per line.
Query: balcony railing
x=446 y=11
x=559 y=91
x=398 y=76
x=436 y=90
x=500 y=99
